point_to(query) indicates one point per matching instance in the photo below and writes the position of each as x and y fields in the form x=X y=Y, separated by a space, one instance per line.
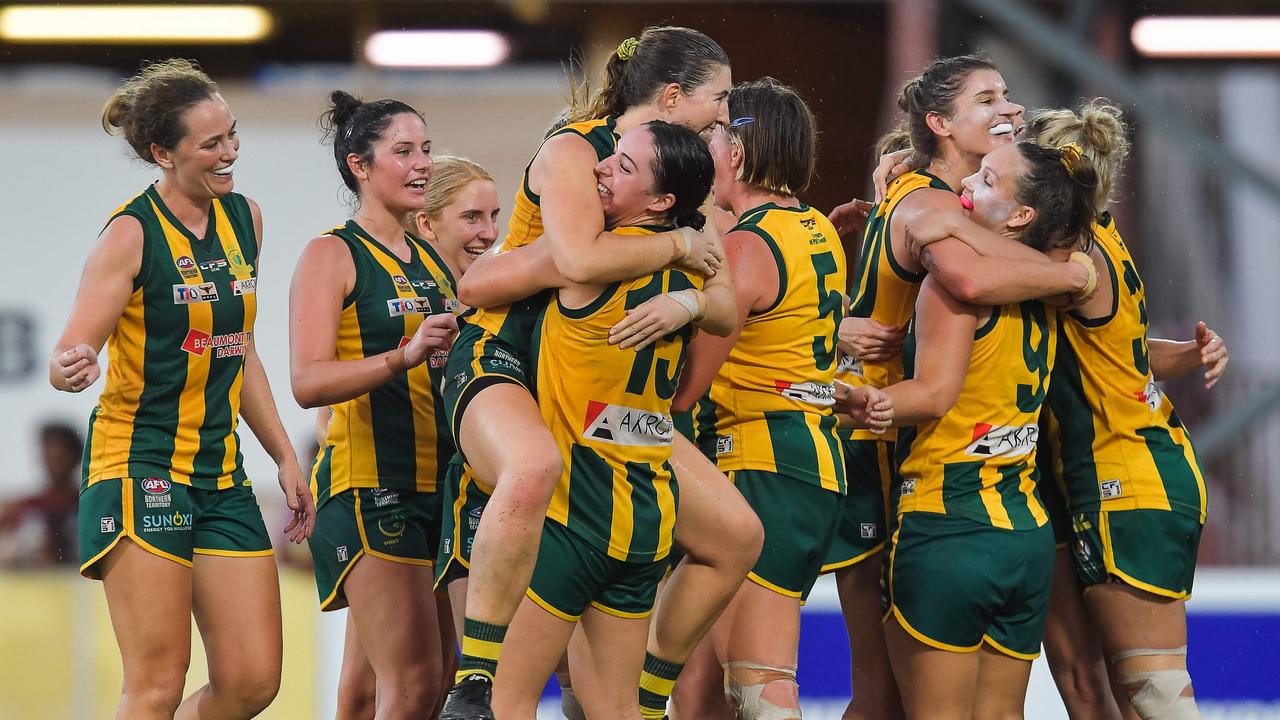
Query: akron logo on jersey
x=990 y=441
x=621 y=425
x=812 y=393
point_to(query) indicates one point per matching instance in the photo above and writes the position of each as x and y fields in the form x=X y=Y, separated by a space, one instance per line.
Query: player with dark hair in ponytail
x=371 y=319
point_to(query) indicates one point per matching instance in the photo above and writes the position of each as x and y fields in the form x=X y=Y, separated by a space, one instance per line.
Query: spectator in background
x=40 y=529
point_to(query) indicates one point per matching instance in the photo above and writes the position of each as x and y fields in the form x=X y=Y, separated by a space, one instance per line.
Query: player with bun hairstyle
x=370 y=321
x=168 y=519
x=963 y=626
x=1124 y=463
x=460 y=222
x=669 y=73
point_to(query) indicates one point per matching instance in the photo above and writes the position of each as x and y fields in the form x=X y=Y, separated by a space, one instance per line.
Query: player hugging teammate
x=714 y=405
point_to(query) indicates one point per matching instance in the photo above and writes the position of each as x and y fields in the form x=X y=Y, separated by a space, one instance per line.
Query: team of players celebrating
x=632 y=438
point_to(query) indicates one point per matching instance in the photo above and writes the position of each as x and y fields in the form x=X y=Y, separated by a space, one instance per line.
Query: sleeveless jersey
x=883 y=290
x=772 y=399
x=978 y=461
x=1123 y=445
x=175 y=360
x=610 y=412
x=515 y=323
x=394 y=436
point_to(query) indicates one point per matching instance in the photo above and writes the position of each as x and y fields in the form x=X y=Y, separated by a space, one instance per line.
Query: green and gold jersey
x=610 y=412
x=394 y=436
x=978 y=460
x=514 y=323
x=772 y=399
x=1123 y=445
x=883 y=290
x=175 y=360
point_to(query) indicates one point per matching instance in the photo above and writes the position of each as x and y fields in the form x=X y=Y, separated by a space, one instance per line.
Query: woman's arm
x=258 y=408
x=714 y=308
x=323 y=278
x=944 y=342
x=1172 y=359
x=979 y=280
x=105 y=287
x=572 y=222
x=755 y=286
x=501 y=278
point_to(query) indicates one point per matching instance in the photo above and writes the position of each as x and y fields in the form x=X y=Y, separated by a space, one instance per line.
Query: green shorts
x=397 y=525
x=870 y=469
x=169 y=519
x=1152 y=550
x=462 y=505
x=571 y=575
x=477 y=360
x=954 y=583
x=800 y=522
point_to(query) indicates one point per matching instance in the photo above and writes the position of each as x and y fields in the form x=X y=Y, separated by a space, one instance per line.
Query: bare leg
x=237 y=608
x=1072 y=648
x=357 y=687
x=149 y=599
x=875 y=694
x=762 y=628
x=537 y=640
x=935 y=684
x=614 y=649
x=699 y=693
x=1002 y=686
x=386 y=594
x=1135 y=621
x=523 y=468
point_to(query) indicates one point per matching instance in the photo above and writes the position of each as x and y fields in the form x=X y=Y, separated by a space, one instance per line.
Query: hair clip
x=739 y=122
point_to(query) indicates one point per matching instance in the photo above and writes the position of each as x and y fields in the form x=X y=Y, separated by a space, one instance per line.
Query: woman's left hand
x=651 y=320
x=297 y=494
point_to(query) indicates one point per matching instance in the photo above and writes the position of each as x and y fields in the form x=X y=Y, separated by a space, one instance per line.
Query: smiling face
x=705 y=106
x=400 y=167
x=466 y=227
x=625 y=183
x=983 y=118
x=201 y=163
x=990 y=195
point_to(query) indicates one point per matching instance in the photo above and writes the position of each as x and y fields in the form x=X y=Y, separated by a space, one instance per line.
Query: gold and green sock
x=481 y=644
x=656 y=683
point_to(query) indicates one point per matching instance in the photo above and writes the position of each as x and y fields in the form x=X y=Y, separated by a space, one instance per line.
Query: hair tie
x=1070 y=156
x=739 y=122
x=627 y=48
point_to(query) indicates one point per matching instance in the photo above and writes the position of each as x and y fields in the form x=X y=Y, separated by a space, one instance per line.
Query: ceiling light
x=134 y=23
x=1224 y=37
x=436 y=48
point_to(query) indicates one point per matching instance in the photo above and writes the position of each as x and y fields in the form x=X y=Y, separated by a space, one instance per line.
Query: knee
x=249 y=694
x=1084 y=686
x=411 y=695
x=528 y=487
x=158 y=692
x=1161 y=695
x=762 y=692
x=356 y=701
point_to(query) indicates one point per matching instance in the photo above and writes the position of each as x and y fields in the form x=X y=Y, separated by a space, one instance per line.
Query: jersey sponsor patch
x=402 y=283
x=810 y=392
x=107 y=524
x=198 y=293
x=156 y=492
x=990 y=441
x=908 y=487
x=186 y=266
x=233 y=344
x=1108 y=489
x=214 y=265
x=621 y=425
x=473 y=518
x=724 y=444
x=248 y=286
x=383 y=497
x=451 y=305
x=403 y=306
x=868 y=531
x=849 y=366
x=1150 y=395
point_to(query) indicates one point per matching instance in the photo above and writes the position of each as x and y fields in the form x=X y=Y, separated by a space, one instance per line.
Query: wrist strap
x=1084 y=259
x=686 y=300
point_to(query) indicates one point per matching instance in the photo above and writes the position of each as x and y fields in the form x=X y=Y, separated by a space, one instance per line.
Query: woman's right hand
x=889 y=168
x=865 y=339
x=435 y=333
x=704 y=254
x=76 y=369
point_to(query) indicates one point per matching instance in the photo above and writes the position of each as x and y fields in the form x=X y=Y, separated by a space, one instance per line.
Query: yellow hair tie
x=1071 y=154
x=627 y=48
